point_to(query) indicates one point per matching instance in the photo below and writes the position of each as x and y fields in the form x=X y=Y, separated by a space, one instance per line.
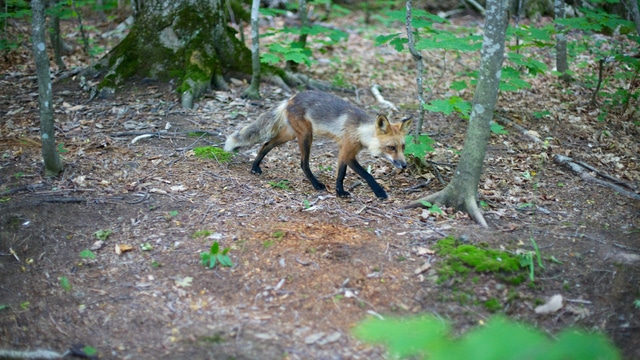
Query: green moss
x=212 y=152
x=493 y=305
x=460 y=259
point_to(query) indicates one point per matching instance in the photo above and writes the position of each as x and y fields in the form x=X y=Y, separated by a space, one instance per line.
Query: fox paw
x=343 y=194
x=256 y=170
x=320 y=187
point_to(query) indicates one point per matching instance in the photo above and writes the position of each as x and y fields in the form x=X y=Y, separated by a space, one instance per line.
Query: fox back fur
x=312 y=113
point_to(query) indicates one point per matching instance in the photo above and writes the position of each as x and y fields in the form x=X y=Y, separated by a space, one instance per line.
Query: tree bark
x=253 y=91
x=184 y=39
x=561 y=41
x=52 y=163
x=462 y=192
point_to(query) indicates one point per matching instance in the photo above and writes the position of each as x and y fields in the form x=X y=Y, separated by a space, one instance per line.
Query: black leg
x=264 y=150
x=305 y=151
x=342 y=171
x=377 y=189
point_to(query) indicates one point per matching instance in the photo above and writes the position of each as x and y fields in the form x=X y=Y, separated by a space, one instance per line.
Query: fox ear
x=382 y=124
x=405 y=126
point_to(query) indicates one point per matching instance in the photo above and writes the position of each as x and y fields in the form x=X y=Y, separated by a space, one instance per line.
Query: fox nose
x=399 y=164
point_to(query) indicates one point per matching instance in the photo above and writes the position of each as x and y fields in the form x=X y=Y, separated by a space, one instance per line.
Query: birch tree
x=52 y=163
x=462 y=192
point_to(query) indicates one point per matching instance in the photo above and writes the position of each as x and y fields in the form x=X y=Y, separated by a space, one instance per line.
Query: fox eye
x=391 y=148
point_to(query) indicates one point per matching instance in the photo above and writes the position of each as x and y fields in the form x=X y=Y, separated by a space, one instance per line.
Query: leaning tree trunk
x=462 y=192
x=187 y=40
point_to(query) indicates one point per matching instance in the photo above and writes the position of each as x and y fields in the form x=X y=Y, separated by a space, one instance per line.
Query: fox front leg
x=342 y=170
x=355 y=166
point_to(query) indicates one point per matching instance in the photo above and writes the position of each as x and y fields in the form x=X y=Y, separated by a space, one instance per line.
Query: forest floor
x=308 y=266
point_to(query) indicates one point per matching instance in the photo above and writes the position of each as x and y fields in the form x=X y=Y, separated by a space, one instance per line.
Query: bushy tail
x=268 y=125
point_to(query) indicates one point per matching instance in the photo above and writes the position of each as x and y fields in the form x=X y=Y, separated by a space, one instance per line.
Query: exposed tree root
x=447 y=197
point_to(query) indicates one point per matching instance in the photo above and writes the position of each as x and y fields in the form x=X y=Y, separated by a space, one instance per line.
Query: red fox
x=312 y=113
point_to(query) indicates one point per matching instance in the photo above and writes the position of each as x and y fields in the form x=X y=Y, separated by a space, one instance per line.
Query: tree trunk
x=187 y=40
x=462 y=192
x=561 y=41
x=52 y=164
x=253 y=91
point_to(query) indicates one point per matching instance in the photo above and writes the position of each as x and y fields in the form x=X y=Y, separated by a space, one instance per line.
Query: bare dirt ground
x=308 y=265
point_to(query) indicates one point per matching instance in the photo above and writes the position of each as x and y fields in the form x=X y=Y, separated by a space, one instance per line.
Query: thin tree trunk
x=54 y=35
x=417 y=57
x=253 y=91
x=635 y=13
x=462 y=192
x=52 y=163
x=561 y=42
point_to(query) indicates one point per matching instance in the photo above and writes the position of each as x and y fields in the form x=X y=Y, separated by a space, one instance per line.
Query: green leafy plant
x=61 y=149
x=214 y=256
x=87 y=254
x=212 y=152
x=201 y=233
x=146 y=247
x=102 y=234
x=433 y=208
x=418 y=149
x=64 y=283
x=173 y=213
x=430 y=338
x=282 y=184
x=25 y=305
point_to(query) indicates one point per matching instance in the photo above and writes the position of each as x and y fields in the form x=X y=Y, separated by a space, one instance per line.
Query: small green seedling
x=433 y=208
x=90 y=351
x=146 y=247
x=64 y=283
x=103 y=234
x=201 y=233
x=87 y=254
x=214 y=256
x=25 y=305
x=282 y=184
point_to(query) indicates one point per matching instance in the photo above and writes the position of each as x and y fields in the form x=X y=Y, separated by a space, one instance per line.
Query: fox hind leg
x=278 y=140
x=304 y=141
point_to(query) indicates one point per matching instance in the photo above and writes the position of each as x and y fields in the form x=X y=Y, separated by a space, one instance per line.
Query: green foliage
x=282 y=184
x=201 y=233
x=212 y=152
x=102 y=234
x=87 y=254
x=433 y=208
x=429 y=338
x=64 y=283
x=449 y=105
x=289 y=48
x=498 y=129
x=214 y=256
x=526 y=259
x=418 y=149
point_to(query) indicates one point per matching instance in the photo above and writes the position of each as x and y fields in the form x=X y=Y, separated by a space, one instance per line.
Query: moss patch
x=460 y=259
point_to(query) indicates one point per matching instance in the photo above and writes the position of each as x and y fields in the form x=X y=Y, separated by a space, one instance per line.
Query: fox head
x=391 y=138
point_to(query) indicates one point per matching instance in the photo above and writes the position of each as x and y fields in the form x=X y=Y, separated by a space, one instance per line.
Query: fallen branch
x=524 y=131
x=582 y=171
x=375 y=90
x=35 y=354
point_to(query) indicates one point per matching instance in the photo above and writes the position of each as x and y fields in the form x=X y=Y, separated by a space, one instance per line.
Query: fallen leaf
x=554 y=304
x=120 y=248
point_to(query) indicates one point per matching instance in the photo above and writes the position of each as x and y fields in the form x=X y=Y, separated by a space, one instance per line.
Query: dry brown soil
x=308 y=265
